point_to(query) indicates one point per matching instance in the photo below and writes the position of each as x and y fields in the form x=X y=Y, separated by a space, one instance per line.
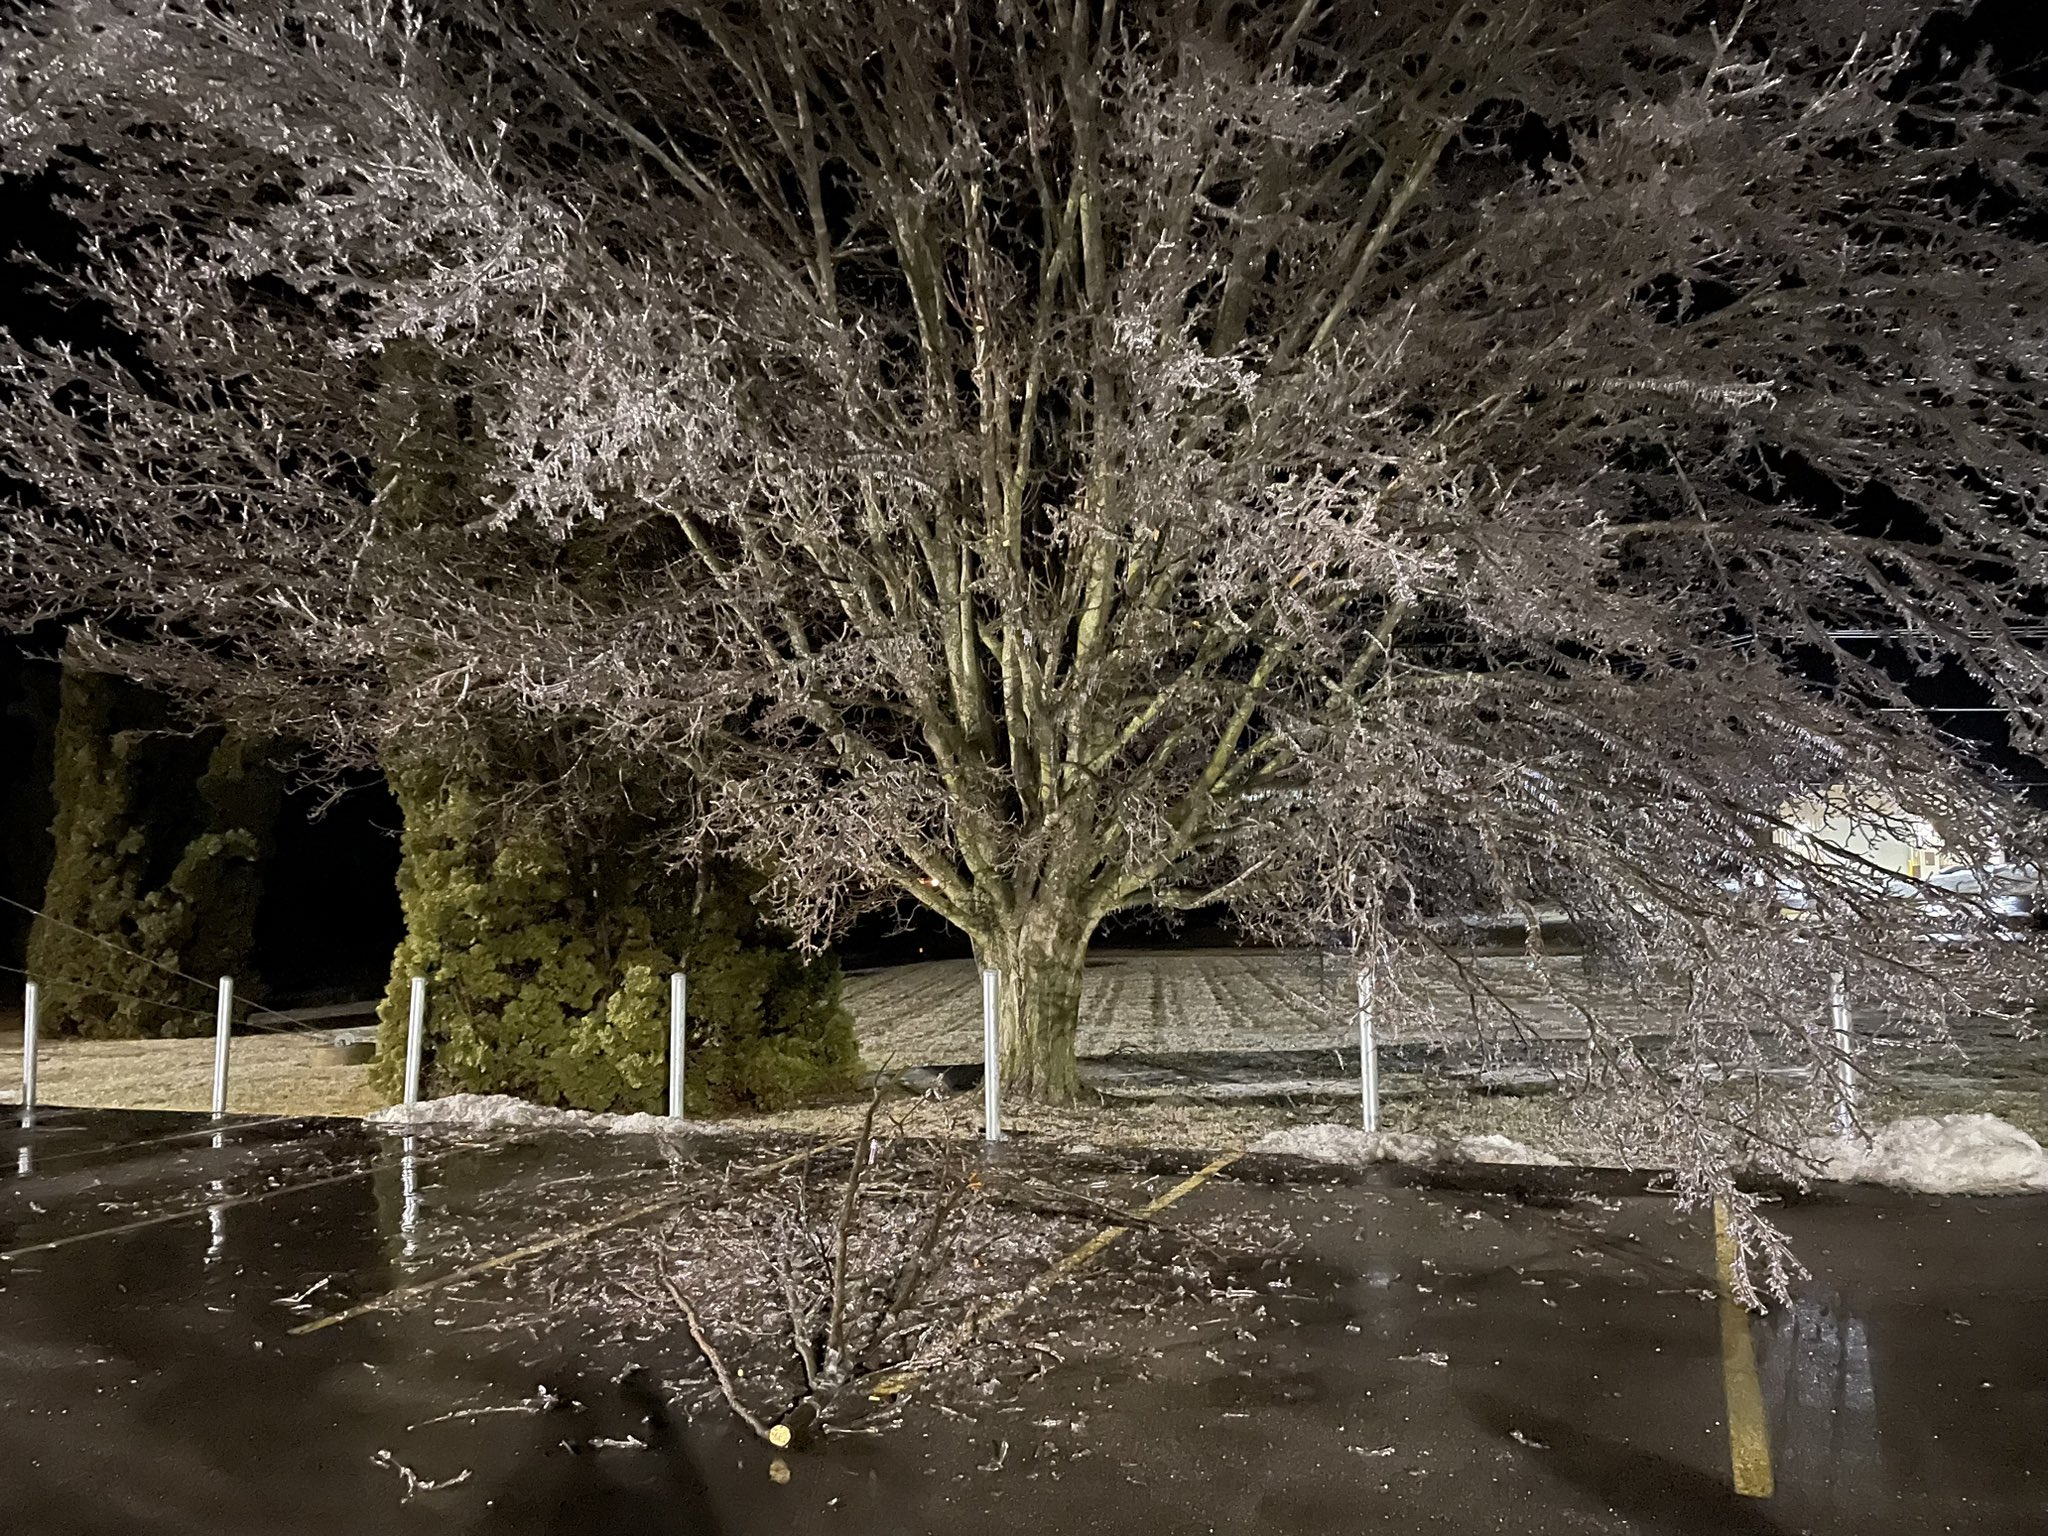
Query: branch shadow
x=1653 y=1493
x=656 y=1490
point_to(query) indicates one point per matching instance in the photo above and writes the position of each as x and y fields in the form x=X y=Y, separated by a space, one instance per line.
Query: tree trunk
x=1041 y=955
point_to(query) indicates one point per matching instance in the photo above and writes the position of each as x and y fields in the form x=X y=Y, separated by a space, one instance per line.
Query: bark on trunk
x=1041 y=958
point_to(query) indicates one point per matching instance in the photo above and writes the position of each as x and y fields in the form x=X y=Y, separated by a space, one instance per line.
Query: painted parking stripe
x=1108 y=1235
x=116 y=1149
x=1749 y=1444
x=193 y=1213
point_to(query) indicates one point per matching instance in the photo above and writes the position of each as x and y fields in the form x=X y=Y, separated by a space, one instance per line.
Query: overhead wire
x=256 y=1011
x=126 y=997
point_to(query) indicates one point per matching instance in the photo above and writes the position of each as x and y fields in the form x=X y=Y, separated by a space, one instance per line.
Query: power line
x=169 y=970
x=126 y=997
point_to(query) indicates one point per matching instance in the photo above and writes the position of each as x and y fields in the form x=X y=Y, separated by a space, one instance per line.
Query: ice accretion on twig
x=414 y=1483
x=941 y=1292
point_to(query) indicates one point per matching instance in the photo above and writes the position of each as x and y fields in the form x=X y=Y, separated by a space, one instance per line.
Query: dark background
x=329 y=917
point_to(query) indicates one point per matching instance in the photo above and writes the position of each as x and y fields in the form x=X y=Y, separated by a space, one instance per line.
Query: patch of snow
x=1347 y=1144
x=1501 y=1149
x=1938 y=1155
x=501 y=1112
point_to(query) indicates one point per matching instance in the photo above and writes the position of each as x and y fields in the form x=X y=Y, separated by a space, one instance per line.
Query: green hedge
x=160 y=837
x=548 y=969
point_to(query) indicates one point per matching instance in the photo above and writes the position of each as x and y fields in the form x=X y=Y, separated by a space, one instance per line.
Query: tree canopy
x=1368 y=464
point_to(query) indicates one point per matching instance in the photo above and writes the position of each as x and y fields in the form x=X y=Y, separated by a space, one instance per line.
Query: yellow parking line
x=1749 y=1444
x=1108 y=1235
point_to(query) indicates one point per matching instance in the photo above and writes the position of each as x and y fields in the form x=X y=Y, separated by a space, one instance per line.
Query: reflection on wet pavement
x=1815 y=1361
x=1528 y=1353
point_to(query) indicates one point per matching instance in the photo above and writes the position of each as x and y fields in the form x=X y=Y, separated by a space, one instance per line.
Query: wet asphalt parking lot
x=1503 y=1352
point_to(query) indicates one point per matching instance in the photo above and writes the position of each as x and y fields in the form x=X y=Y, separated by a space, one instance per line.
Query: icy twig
x=414 y=1483
x=544 y=1400
x=714 y=1360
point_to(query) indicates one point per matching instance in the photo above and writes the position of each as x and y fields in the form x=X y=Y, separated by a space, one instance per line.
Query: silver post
x=415 y=1040
x=678 y=1003
x=1844 y=1074
x=31 y=997
x=1368 y=1055
x=223 y=1023
x=991 y=1084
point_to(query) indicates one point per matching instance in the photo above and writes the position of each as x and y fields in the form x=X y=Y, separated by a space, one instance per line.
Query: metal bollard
x=415 y=1040
x=31 y=998
x=1368 y=1055
x=678 y=1002
x=991 y=1084
x=223 y=1025
x=1844 y=1073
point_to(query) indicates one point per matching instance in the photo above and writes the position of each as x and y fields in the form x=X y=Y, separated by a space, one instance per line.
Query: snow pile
x=1347 y=1144
x=1500 y=1149
x=1938 y=1155
x=501 y=1112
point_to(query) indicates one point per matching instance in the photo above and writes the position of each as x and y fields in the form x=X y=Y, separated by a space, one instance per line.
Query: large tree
x=1366 y=463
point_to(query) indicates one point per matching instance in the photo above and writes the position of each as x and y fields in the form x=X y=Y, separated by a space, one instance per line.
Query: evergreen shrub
x=548 y=966
x=160 y=839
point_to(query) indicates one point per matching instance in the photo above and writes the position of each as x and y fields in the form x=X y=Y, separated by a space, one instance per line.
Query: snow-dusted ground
x=1228 y=1047
x=1248 y=1027
x=1218 y=1000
